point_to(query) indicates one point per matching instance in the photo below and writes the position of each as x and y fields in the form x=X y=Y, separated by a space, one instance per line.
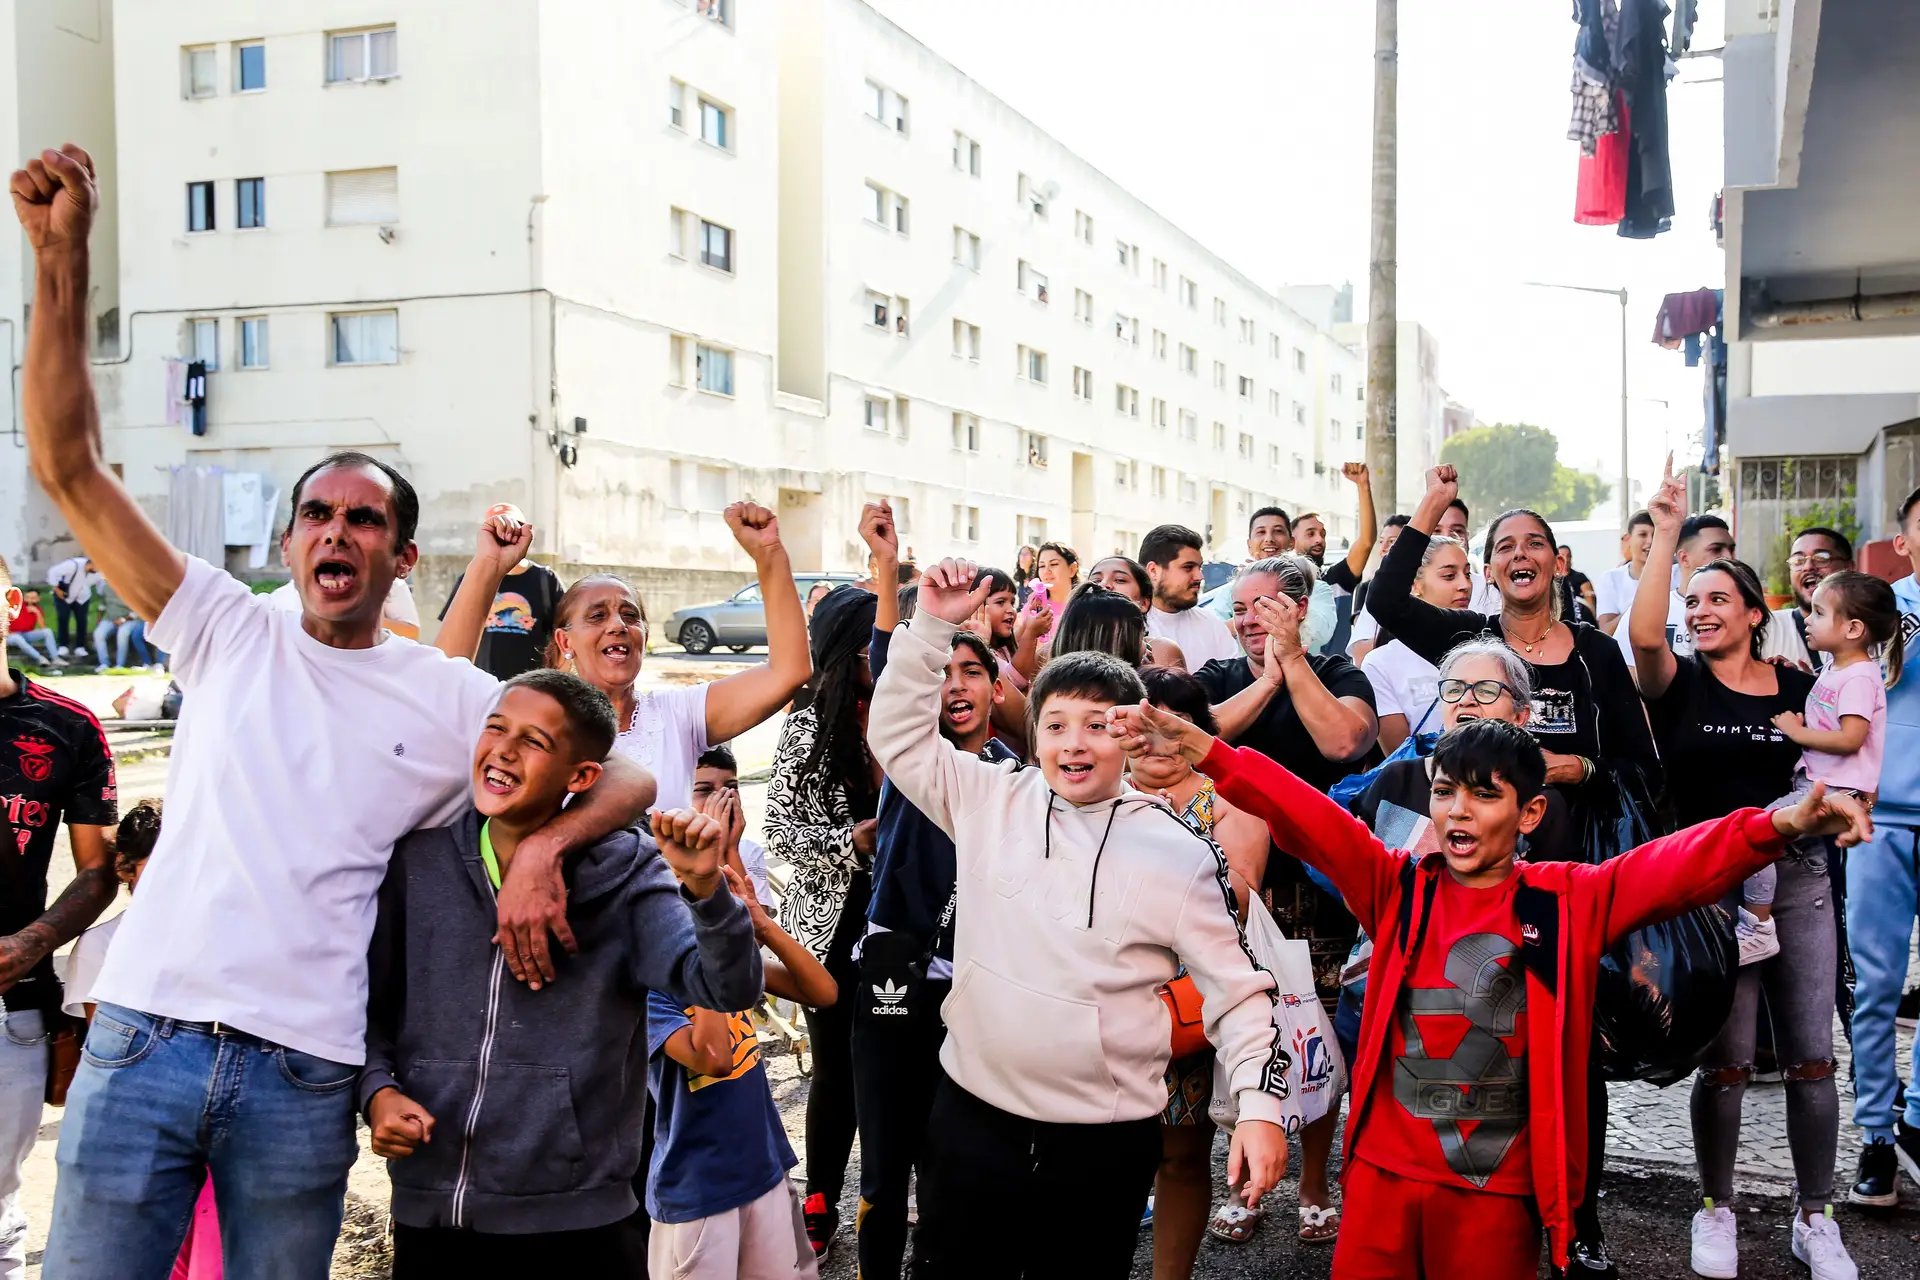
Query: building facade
x=622 y=263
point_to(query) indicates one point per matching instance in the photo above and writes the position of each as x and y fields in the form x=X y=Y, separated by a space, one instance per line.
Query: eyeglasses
x=1801 y=559
x=1485 y=692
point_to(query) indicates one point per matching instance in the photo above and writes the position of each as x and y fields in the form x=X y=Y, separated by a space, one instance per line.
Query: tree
x=1517 y=464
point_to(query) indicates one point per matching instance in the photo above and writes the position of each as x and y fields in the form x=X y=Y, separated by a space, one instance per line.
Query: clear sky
x=1249 y=124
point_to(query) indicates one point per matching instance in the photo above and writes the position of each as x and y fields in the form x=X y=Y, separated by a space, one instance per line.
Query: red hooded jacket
x=1597 y=906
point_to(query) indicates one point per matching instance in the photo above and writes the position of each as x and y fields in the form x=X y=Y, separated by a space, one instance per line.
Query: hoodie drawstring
x=1093 y=882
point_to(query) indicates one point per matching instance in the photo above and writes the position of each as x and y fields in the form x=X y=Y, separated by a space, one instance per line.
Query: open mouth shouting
x=335 y=579
x=1462 y=844
x=1522 y=575
x=959 y=711
x=616 y=650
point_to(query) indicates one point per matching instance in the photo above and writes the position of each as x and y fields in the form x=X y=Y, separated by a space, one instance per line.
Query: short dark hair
x=998 y=579
x=980 y=649
x=1101 y=621
x=590 y=722
x=1479 y=751
x=720 y=757
x=138 y=832
x=1396 y=522
x=1834 y=536
x=406 y=502
x=1459 y=505
x=1163 y=544
x=1179 y=692
x=1254 y=519
x=1907 y=506
x=906 y=573
x=907 y=599
x=1638 y=518
x=1097 y=677
x=1691 y=527
x=1302 y=518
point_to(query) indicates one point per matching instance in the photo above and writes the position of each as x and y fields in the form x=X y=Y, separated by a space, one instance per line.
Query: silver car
x=740 y=621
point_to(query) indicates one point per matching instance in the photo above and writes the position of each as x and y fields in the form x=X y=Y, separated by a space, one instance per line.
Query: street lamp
x=1626 y=507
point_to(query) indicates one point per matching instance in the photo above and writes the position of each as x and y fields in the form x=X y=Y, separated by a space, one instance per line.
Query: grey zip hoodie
x=537 y=1096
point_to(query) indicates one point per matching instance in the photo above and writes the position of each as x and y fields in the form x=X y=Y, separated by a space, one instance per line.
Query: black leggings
x=831 y=1118
x=896 y=1063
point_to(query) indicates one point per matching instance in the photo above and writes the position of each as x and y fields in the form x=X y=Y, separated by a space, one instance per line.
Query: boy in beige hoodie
x=1077 y=898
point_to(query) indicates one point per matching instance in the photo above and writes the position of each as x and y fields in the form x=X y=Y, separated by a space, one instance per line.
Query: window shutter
x=359 y=196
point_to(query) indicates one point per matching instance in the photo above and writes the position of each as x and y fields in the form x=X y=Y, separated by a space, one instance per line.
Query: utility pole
x=1620 y=295
x=1383 y=328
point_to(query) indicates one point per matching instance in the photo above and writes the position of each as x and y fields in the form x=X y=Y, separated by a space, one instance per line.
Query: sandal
x=1318 y=1225
x=1234 y=1222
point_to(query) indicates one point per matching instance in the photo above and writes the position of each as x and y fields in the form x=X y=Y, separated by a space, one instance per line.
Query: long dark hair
x=1102 y=621
x=1752 y=595
x=1870 y=601
x=1023 y=573
x=1179 y=692
x=842 y=626
x=1555 y=587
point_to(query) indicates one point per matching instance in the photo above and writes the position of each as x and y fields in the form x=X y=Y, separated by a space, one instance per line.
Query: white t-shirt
x=79 y=585
x=667 y=736
x=1613 y=590
x=83 y=966
x=1485 y=599
x=1404 y=683
x=1679 y=639
x=295 y=768
x=399 y=606
x=1785 y=641
x=1201 y=636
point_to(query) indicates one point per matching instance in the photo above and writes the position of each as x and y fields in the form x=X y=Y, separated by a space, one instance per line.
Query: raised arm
x=1653 y=660
x=1426 y=629
x=1362 y=548
x=694 y=942
x=882 y=537
x=55 y=197
x=499 y=546
x=739 y=702
x=1341 y=728
x=793 y=973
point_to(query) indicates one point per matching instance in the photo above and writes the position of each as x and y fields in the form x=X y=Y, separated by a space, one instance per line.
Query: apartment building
x=621 y=263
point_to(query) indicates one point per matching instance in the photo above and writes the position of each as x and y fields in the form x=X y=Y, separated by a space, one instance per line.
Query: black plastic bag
x=1665 y=989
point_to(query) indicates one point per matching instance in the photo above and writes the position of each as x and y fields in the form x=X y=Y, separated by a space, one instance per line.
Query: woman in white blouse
x=1404 y=683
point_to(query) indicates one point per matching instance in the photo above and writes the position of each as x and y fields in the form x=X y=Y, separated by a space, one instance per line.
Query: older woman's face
x=1444 y=581
x=1055 y=572
x=1523 y=560
x=1473 y=670
x=1113 y=574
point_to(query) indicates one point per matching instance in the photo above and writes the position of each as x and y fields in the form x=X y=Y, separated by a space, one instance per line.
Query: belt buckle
x=222 y=1029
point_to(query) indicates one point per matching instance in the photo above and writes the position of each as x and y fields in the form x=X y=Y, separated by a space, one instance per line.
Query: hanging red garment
x=1600 y=193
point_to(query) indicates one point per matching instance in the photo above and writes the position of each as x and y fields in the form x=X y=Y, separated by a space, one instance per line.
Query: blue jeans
x=155 y=1105
x=1883 y=892
x=131 y=633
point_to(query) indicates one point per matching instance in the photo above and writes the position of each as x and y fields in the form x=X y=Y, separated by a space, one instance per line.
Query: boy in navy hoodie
x=512 y=1116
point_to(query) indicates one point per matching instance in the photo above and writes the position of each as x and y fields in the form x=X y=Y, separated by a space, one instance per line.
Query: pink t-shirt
x=1857 y=690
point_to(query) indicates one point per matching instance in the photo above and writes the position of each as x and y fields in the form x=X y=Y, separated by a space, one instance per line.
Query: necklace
x=1537 y=641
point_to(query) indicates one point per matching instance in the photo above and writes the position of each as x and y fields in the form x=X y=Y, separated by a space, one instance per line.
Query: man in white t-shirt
x=400 y=616
x=1815 y=554
x=1171 y=554
x=1613 y=590
x=1703 y=539
x=232 y=1008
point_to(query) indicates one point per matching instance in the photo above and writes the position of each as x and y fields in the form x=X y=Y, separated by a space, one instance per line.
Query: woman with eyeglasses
x=1403 y=681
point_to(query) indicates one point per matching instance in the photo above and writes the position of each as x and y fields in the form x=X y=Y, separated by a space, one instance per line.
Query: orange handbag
x=1182 y=999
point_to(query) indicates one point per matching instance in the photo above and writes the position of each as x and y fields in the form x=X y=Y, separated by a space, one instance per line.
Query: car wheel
x=696 y=636
x=739 y=648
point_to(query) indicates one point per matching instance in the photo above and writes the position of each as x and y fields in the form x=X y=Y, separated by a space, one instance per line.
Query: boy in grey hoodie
x=512 y=1116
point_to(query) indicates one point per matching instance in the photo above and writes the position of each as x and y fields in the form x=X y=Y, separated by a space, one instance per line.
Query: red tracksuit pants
x=1424 y=1231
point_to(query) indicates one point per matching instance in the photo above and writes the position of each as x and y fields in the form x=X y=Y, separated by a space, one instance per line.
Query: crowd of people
x=497 y=901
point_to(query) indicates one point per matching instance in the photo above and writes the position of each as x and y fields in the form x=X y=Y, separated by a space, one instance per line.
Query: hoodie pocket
x=1029 y=1051
x=527 y=1141
x=445 y=1088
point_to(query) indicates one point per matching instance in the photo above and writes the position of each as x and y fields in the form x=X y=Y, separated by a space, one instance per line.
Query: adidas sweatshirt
x=1068 y=919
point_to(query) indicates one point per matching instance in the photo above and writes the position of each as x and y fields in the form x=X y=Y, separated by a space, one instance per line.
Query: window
x=1032 y=197
x=966 y=340
x=713 y=369
x=1030 y=529
x=1246 y=446
x=366 y=337
x=966 y=523
x=1219 y=376
x=1220 y=435
x=966 y=154
x=1159 y=482
x=360 y=196
x=1360 y=392
x=1159 y=275
x=720 y=11
x=1299 y=413
x=900 y=214
x=876 y=206
x=1220 y=312
x=253 y=342
x=1189 y=425
x=1333 y=429
x=1083 y=225
x=1127 y=329
x=887 y=208
x=362 y=55
x=1032 y=282
x=716 y=125
x=1160 y=413
x=1032 y=365
x=1189 y=359
x=1359 y=430
x=966 y=248
x=1334 y=381
x=1273 y=403
x=677 y=360
x=1159 y=345
x=1189 y=489
x=1126 y=474
x=676 y=104
x=1299 y=360
x=1189 y=294
x=716 y=246
x=877 y=411
x=966 y=433
x=886 y=106
x=1129 y=255
x=205 y=336
x=1126 y=400
x=677 y=232
x=887 y=313
x=1246 y=387
x=1083 y=306
x=1299 y=467
x=249 y=66
x=196 y=72
x=1273 y=346
x=1036 y=448
x=199 y=206
x=1246 y=330
x=1083 y=383
x=1273 y=456
x=250 y=195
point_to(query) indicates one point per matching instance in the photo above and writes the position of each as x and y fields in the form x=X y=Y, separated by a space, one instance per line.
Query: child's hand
x=1824 y=813
x=742 y=888
x=1033 y=624
x=1256 y=1159
x=1791 y=723
x=693 y=845
x=1146 y=730
x=954 y=590
x=400 y=1125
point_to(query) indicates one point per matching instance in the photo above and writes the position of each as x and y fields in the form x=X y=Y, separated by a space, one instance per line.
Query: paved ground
x=1649 y=1198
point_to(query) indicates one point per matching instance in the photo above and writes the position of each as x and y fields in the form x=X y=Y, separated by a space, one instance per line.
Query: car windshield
x=748 y=595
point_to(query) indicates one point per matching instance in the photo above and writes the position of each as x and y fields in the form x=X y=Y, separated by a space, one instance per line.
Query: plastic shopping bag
x=1665 y=989
x=1315 y=1075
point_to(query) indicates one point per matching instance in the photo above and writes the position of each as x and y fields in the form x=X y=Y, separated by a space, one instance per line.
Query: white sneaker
x=1758 y=938
x=1715 y=1251
x=1816 y=1242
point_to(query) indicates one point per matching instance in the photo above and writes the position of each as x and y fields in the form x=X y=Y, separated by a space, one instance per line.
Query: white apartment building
x=622 y=263
x=1420 y=419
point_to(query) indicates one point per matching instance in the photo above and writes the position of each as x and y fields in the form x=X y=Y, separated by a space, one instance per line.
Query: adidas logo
x=887 y=998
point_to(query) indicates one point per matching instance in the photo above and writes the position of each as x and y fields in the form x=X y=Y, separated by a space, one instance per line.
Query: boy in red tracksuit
x=1468 y=1125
